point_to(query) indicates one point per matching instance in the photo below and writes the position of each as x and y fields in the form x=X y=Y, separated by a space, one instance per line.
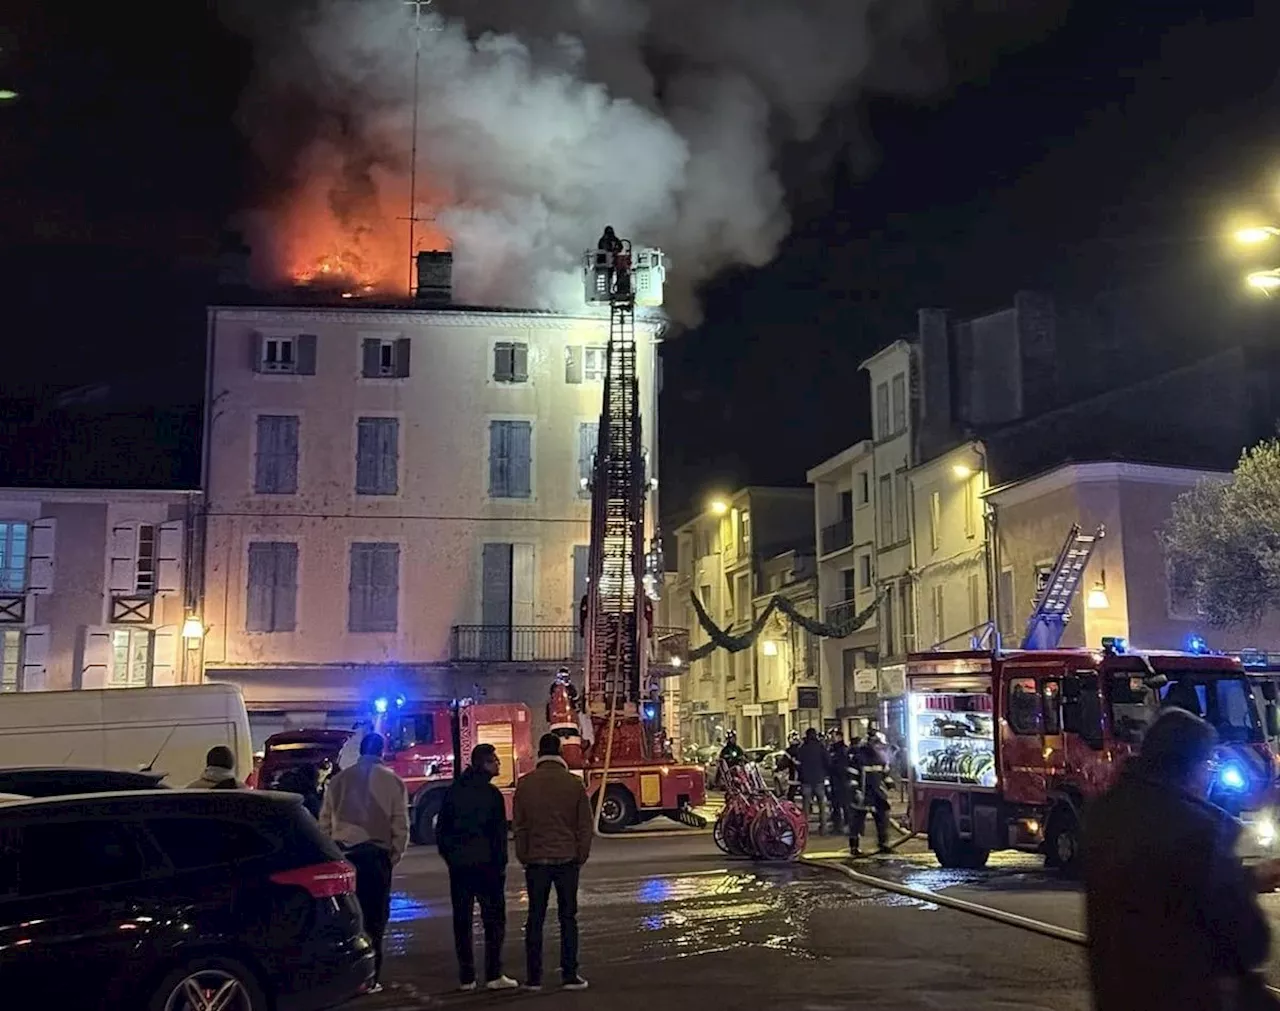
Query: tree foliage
x=1222 y=542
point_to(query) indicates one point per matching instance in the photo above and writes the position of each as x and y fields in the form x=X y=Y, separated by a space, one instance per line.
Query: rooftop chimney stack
x=435 y=277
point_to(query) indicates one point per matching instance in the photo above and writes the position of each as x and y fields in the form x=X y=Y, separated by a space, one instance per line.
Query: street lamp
x=719 y=506
x=1256 y=235
x=1265 y=281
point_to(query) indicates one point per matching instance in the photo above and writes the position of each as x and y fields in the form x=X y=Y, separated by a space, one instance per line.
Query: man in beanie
x=471 y=834
x=1164 y=887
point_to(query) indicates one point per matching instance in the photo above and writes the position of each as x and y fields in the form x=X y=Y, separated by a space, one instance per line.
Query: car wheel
x=618 y=810
x=424 y=821
x=948 y=847
x=209 y=984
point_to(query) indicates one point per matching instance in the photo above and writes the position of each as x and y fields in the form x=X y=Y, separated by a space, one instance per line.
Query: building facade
x=787 y=675
x=396 y=501
x=720 y=557
x=1125 y=591
x=94 y=589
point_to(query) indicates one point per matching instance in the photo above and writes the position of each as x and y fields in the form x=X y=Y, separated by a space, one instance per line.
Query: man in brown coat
x=553 y=828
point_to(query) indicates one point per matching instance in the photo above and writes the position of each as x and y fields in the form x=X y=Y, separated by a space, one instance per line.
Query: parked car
x=176 y=900
x=60 y=781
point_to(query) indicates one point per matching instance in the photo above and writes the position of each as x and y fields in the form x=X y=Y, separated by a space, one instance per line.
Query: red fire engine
x=1007 y=748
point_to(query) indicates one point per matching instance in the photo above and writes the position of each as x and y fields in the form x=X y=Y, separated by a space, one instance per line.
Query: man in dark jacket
x=870 y=763
x=1164 y=888
x=471 y=833
x=813 y=776
x=841 y=786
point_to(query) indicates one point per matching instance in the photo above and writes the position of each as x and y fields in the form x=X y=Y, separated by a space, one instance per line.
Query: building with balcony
x=396 y=500
x=720 y=554
x=94 y=589
x=1125 y=591
x=787 y=667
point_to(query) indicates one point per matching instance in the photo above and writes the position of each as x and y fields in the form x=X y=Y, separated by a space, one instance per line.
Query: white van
x=166 y=730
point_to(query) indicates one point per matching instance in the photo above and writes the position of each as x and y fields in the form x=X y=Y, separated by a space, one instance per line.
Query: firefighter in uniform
x=870 y=770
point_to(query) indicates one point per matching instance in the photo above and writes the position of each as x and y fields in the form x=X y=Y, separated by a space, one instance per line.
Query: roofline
x=744 y=492
x=253 y=311
x=846 y=456
x=900 y=343
x=1096 y=472
x=94 y=493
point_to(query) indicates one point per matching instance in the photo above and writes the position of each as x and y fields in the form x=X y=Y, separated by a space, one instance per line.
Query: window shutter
x=499 y=465
x=372 y=359
x=581 y=559
x=522 y=603
x=97 y=657
x=169 y=558
x=123 y=574
x=287 y=453
x=520 y=363
x=402 y=357
x=366 y=457
x=43 y=538
x=285 y=603
x=35 y=656
x=164 y=656
x=386 y=588
x=255 y=352
x=502 y=362
x=358 y=588
x=520 y=449
x=258 y=599
x=573 y=363
x=389 y=456
x=306 y=354
x=495 y=601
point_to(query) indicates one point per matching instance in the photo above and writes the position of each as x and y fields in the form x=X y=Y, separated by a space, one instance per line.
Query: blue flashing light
x=650 y=711
x=1115 y=644
x=1197 y=645
x=380 y=705
x=1232 y=778
x=400 y=701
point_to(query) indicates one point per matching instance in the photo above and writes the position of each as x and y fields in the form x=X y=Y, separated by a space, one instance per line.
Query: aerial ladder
x=1052 y=607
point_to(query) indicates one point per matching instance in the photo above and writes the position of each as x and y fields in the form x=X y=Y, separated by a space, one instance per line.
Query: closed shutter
x=520 y=363
x=402 y=357
x=285 y=603
x=96 y=658
x=495 y=601
x=35 y=656
x=371 y=359
x=164 y=656
x=259 y=599
x=255 y=352
x=377 y=456
x=588 y=442
x=499 y=461
x=169 y=557
x=307 y=354
x=358 y=587
x=41 y=572
x=389 y=456
x=522 y=603
x=573 y=363
x=502 y=362
x=520 y=448
x=385 y=596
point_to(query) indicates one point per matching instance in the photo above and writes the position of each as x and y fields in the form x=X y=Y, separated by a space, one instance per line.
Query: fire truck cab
x=1008 y=748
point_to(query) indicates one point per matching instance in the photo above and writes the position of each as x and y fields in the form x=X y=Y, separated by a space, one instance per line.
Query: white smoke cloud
x=539 y=122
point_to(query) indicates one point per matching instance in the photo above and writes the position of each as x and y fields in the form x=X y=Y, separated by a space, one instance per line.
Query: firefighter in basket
x=871 y=793
x=564 y=717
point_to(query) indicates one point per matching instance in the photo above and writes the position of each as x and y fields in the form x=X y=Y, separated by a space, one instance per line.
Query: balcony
x=559 y=644
x=838 y=614
x=837 y=536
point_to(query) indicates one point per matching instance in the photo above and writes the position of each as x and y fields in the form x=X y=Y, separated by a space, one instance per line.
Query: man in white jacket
x=366 y=812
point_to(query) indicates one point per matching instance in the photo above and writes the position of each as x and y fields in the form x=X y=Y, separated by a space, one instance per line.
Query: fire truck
x=1008 y=747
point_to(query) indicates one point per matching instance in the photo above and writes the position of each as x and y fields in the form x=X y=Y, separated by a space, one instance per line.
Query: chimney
x=435 y=277
x=936 y=401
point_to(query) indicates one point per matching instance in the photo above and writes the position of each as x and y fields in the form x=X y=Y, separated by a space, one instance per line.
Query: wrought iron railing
x=838 y=535
x=548 y=644
x=838 y=614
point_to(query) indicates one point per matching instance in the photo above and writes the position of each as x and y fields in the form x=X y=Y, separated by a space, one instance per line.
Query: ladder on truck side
x=1052 y=608
x=615 y=568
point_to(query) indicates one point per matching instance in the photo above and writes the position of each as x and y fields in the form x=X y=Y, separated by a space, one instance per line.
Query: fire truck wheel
x=1062 y=843
x=618 y=810
x=425 y=813
x=948 y=847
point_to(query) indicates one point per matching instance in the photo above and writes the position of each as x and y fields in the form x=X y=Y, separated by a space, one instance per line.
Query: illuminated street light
x=8 y=95
x=962 y=470
x=1264 y=280
x=1098 y=599
x=719 y=506
x=193 y=628
x=1253 y=236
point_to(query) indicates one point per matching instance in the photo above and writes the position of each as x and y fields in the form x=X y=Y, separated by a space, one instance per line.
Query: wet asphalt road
x=669 y=923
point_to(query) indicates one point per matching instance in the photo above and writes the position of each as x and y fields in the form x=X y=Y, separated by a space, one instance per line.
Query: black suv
x=176 y=901
x=59 y=781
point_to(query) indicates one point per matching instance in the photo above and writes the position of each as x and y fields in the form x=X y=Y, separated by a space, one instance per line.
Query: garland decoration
x=720 y=639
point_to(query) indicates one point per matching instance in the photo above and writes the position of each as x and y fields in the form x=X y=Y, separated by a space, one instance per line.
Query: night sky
x=1103 y=154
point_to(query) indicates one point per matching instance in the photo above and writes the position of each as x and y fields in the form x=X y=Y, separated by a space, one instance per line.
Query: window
x=10 y=660
x=970 y=509
x=899 y=403
x=276 y=465
x=423 y=728
x=882 y=411
x=744 y=597
x=378 y=456
x=588 y=440
x=68 y=855
x=278 y=354
x=864 y=572
x=129 y=665
x=935 y=519
x=907 y=592
x=886 y=510
x=975 y=599
x=846 y=505
x=382 y=358
x=374 y=590
x=1024 y=707
x=1052 y=694
x=593 y=364
x=864 y=487
x=146 y=579
x=886 y=615
x=901 y=501
x=939 y=613
x=510 y=362
x=509 y=459
x=847 y=577
x=190 y=843
x=14 y=538
x=746 y=532
x=273 y=587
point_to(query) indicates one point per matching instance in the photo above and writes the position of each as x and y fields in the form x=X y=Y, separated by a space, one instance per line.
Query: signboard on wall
x=893 y=680
x=866 y=679
x=752 y=709
x=808 y=698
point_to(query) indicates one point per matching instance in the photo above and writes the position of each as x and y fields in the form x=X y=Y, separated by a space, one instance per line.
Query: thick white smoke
x=540 y=122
